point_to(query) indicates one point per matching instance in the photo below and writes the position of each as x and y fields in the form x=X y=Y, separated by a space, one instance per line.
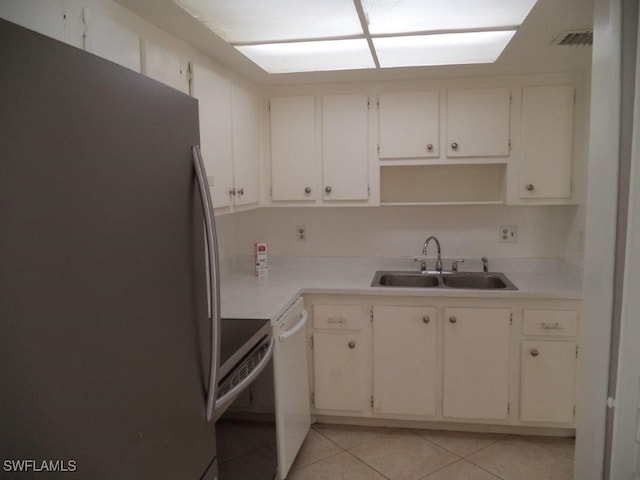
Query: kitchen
x=392 y=231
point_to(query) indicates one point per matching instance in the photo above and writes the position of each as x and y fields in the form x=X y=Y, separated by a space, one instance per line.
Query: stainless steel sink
x=478 y=281
x=406 y=279
x=444 y=280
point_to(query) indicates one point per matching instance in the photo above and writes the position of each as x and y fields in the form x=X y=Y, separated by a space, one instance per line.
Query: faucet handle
x=485 y=264
x=454 y=264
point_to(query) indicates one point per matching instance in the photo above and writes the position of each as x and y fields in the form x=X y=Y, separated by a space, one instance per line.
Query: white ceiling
x=528 y=52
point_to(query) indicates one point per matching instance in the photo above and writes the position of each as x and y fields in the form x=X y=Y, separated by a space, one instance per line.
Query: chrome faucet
x=423 y=264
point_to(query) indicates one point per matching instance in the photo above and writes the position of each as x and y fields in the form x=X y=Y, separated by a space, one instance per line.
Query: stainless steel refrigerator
x=108 y=293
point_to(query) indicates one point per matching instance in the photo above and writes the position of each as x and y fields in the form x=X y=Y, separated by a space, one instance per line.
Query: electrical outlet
x=508 y=234
x=301 y=233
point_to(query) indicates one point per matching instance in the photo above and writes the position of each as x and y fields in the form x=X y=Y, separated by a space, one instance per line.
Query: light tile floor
x=340 y=452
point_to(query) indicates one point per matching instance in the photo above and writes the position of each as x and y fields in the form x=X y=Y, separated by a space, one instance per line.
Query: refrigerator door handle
x=213 y=277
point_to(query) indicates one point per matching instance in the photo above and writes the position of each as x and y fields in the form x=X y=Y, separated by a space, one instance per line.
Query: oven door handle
x=228 y=397
x=299 y=326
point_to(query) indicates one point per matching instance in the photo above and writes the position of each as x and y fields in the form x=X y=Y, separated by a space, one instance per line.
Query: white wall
x=464 y=231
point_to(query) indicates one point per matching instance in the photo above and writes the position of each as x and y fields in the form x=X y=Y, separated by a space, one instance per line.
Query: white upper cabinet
x=164 y=66
x=110 y=40
x=214 y=98
x=547 y=139
x=409 y=125
x=477 y=122
x=246 y=147
x=345 y=146
x=47 y=18
x=293 y=148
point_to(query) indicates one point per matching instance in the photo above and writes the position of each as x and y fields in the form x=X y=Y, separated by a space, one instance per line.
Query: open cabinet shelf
x=442 y=184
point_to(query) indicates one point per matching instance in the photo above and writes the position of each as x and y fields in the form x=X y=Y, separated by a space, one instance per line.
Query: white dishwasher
x=291 y=375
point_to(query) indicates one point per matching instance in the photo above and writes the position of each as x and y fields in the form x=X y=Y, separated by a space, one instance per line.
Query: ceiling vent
x=574 y=38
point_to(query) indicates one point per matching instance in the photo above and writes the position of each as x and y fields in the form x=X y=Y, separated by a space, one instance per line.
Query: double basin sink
x=466 y=280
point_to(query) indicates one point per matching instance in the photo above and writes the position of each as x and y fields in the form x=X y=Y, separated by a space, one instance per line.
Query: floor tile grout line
x=303 y=467
x=459 y=459
x=485 y=470
x=369 y=466
x=546 y=447
x=468 y=454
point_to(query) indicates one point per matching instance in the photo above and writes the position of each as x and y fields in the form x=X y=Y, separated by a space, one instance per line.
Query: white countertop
x=245 y=296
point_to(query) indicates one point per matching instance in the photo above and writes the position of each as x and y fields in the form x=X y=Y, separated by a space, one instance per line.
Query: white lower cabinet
x=337 y=371
x=547 y=381
x=476 y=363
x=502 y=361
x=337 y=346
x=404 y=360
x=548 y=365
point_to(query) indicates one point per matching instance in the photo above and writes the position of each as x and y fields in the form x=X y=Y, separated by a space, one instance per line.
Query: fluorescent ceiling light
x=441 y=49
x=283 y=36
x=268 y=21
x=412 y=16
x=310 y=56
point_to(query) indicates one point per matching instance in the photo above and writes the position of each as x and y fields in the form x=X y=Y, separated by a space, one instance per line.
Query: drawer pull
x=453 y=319
x=337 y=320
x=426 y=319
x=551 y=325
x=534 y=352
x=352 y=344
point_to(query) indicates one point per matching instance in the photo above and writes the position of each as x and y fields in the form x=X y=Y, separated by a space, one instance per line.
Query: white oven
x=264 y=398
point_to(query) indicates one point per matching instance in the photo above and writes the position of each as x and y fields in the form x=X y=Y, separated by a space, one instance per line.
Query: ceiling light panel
x=261 y=21
x=441 y=49
x=310 y=56
x=412 y=16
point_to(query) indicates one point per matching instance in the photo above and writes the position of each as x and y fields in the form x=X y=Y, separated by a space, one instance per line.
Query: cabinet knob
x=232 y=191
x=426 y=319
x=352 y=344
x=327 y=189
x=241 y=191
x=534 y=352
x=454 y=145
x=529 y=187
x=453 y=319
x=430 y=147
x=307 y=190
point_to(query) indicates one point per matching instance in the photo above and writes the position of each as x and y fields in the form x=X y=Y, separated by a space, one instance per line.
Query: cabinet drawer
x=337 y=317
x=557 y=323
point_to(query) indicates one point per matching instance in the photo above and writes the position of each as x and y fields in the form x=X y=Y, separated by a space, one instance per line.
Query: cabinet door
x=246 y=146
x=409 y=125
x=108 y=39
x=547 y=381
x=404 y=360
x=476 y=363
x=164 y=66
x=337 y=371
x=214 y=103
x=478 y=122
x=547 y=140
x=293 y=148
x=345 y=146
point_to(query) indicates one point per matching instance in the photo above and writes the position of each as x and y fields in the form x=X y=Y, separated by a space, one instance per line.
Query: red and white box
x=260 y=259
